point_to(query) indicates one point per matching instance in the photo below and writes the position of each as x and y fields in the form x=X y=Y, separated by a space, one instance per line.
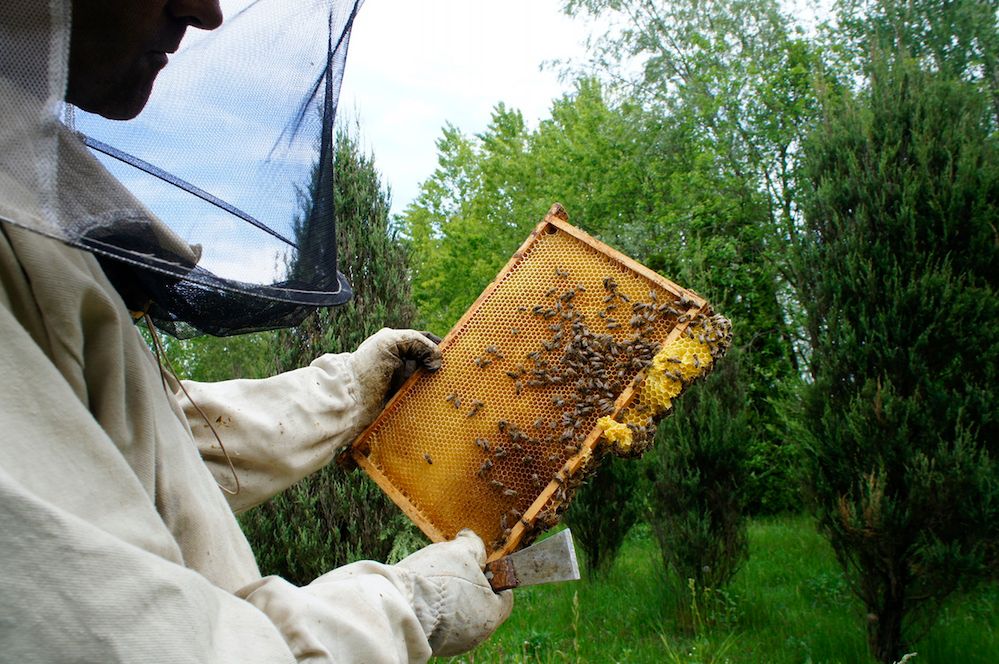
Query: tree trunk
x=884 y=630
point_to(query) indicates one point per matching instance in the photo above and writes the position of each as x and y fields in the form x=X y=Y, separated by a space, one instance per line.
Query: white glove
x=452 y=598
x=384 y=361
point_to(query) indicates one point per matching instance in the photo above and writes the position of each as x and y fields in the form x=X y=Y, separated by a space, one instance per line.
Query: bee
x=499 y=453
x=521 y=308
x=451 y=397
x=550 y=292
x=502 y=424
x=613 y=325
x=624 y=297
x=482 y=444
x=609 y=283
x=558 y=401
x=653 y=296
x=637 y=321
x=527 y=460
x=457 y=403
x=512 y=374
x=497 y=484
x=697 y=362
x=608 y=298
x=568 y=295
x=427 y=458
x=514 y=331
x=484 y=468
x=561 y=273
x=512 y=493
x=476 y=407
x=504 y=523
x=581 y=288
x=538 y=423
x=493 y=350
x=518 y=386
x=535 y=480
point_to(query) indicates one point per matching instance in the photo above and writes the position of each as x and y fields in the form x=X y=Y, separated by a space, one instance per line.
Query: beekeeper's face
x=117 y=48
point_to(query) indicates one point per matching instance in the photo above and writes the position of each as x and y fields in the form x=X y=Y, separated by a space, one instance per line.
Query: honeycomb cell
x=500 y=436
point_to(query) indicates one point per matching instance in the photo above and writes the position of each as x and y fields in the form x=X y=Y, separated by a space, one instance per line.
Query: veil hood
x=232 y=160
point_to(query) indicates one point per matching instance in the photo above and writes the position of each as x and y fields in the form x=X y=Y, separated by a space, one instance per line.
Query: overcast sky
x=414 y=66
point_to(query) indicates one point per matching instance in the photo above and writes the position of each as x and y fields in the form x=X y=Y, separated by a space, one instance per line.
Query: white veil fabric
x=213 y=209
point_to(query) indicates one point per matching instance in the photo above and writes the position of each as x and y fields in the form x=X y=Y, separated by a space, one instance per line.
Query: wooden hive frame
x=420 y=508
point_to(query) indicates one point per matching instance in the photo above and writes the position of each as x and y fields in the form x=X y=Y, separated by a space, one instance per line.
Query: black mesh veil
x=234 y=154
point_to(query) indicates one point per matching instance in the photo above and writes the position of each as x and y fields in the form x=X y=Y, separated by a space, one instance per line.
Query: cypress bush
x=603 y=511
x=698 y=489
x=899 y=269
x=334 y=516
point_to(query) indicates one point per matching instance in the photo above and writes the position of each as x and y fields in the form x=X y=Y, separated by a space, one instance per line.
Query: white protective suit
x=116 y=544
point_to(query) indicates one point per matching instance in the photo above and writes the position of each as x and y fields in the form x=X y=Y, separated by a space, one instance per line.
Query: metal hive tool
x=500 y=436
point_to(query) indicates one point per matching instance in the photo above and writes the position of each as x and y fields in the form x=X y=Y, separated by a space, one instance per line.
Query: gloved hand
x=453 y=600
x=383 y=362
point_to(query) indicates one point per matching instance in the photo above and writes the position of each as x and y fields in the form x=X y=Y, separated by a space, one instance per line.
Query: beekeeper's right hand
x=453 y=600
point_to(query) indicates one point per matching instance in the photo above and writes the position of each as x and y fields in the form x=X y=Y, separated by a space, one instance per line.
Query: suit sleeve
x=276 y=430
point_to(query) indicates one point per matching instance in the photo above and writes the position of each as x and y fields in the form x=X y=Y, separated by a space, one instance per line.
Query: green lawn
x=788 y=604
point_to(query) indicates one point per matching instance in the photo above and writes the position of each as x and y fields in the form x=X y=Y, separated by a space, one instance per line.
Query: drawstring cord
x=163 y=362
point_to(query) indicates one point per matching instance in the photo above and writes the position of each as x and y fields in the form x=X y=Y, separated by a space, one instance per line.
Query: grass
x=789 y=604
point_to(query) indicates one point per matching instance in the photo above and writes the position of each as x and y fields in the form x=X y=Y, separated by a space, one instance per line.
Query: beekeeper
x=116 y=542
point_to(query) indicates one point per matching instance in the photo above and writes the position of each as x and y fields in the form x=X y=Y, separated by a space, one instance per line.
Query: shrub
x=698 y=488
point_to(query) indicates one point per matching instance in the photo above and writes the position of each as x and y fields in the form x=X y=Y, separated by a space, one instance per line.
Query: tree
x=728 y=87
x=900 y=425
x=957 y=39
x=334 y=517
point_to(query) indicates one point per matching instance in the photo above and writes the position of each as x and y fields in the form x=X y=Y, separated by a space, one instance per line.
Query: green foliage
x=698 y=493
x=899 y=283
x=323 y=522
x=334 y=517
x=603 y=511
x=957 y=39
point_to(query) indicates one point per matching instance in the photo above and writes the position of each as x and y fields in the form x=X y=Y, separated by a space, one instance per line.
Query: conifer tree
x=334 y=516
x=899 y=272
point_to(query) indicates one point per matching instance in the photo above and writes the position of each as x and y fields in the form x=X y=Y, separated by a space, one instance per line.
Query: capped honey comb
x=574 y=350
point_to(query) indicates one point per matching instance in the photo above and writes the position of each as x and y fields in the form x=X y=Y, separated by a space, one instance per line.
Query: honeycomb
x=677 y=364
x=569 y=334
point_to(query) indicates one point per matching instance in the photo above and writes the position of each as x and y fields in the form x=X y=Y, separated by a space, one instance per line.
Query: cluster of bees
x=581 y=365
